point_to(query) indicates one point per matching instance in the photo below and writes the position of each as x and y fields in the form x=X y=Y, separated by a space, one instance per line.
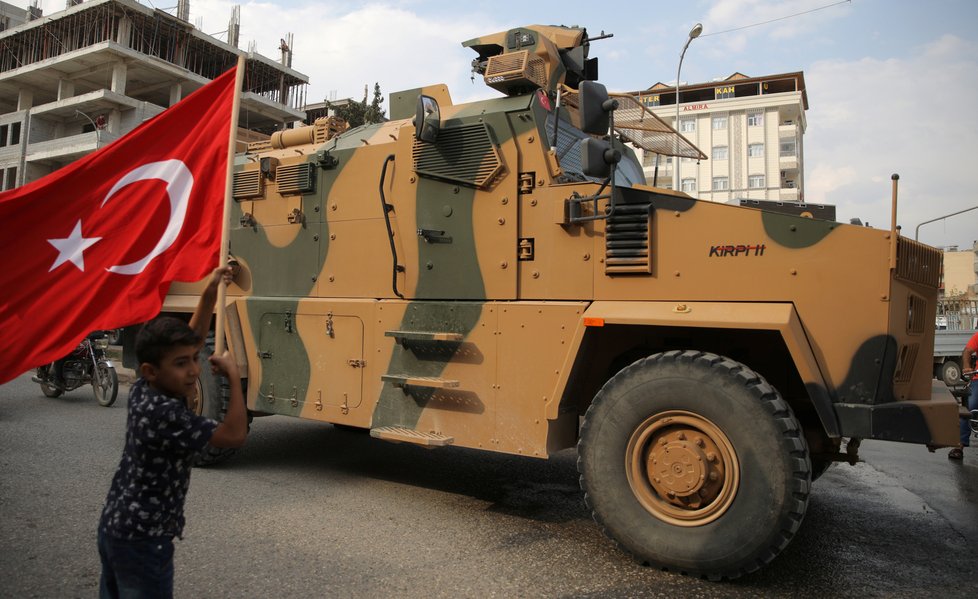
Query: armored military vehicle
x=499 y=275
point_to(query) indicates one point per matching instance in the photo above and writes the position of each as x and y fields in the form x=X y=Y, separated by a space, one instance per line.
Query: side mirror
x=596 y=108
x=597 y=158
x=427 y=119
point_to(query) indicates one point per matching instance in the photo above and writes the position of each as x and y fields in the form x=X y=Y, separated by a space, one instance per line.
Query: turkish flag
x=96 y=244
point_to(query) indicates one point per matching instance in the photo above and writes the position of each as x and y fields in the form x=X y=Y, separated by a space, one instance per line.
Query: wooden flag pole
x=219 y=343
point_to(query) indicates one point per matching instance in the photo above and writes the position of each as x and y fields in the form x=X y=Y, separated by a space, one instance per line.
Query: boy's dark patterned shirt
x=149 y=488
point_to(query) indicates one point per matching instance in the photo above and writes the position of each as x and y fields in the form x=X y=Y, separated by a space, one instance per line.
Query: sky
x=891 y=84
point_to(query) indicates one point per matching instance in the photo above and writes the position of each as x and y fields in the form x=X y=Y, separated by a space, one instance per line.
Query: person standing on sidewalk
x=144 y=508
x=967 y=364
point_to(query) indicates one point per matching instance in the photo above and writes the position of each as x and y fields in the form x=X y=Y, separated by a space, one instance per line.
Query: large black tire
x=213 y=396
x=692 y=462
x=105 y=384
x=43 y=373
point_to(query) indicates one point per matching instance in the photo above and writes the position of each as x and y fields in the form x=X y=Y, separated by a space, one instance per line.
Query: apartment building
x=959 y=277
x=76 y=80
x=751 y=128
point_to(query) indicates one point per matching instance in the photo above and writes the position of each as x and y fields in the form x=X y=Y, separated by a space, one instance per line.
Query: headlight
x=102 y=343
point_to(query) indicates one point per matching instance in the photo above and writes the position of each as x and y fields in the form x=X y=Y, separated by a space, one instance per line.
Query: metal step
x=407 y=435
x=402 y=380
x=401 y=336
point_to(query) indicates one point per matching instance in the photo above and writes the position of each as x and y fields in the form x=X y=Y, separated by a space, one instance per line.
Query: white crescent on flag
x=179 y=183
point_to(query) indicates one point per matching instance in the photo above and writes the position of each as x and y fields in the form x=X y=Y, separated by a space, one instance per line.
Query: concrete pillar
x=176 y=93
x=25 y=99
x=119 y=71
x=124 y=32
x=114 y=125
x=66 y=89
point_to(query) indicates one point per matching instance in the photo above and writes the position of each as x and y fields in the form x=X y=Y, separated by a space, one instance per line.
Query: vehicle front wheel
x=692 y=462
x=105 y=384
x=49 y=390
x=213 y=396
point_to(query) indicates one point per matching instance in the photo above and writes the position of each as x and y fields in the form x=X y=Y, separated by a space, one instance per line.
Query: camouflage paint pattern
x=488 y=347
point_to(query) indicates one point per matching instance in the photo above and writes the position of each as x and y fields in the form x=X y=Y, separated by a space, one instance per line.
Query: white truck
x=957 y=321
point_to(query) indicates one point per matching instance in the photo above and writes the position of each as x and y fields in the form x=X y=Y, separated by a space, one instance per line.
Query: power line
x=778 y=19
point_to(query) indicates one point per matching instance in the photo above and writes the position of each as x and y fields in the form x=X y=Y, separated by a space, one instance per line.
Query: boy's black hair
x=160 y=335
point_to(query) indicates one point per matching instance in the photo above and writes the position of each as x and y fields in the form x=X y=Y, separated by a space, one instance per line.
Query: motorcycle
x=87 y=363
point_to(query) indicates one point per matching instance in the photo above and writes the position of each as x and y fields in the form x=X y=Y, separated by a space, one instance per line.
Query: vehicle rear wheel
x=951 y=373
x=213 y=396
x=105 y=384
x=692 y=462
x=44 y=373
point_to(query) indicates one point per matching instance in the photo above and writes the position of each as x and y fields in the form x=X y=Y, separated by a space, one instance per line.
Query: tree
x=359 y=113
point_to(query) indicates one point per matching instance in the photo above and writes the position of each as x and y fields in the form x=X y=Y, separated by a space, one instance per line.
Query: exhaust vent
x=627 y=244
x=294 y=178
x=247 y=184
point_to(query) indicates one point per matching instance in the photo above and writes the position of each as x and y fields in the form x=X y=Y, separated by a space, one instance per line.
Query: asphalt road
x=307 y=510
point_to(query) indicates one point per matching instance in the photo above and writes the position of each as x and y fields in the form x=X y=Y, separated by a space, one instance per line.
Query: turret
x=536 y=56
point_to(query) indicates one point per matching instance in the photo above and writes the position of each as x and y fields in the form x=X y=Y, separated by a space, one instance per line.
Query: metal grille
x=463 y=154
x=637 y=124
x=627 y=247
x=247 y=184
x=505 y=69
x=918 y=263
x=294 y=178
x=916 y=306
x=908 y=358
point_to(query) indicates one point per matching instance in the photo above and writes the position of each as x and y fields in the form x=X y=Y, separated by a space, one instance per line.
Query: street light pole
x=693 y=34
x=94 y=126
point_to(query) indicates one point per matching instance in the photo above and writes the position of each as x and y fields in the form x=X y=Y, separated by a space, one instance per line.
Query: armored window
x=755 y=150
x=689 y=185
x=755 y=181
x=755 y=119
x=719 y=152
x=720 y=184
x=720 y=122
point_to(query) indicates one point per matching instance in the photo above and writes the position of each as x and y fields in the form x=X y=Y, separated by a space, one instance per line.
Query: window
x=755 y=181
x=8 y=178
x=720 y=122
x=14 y=134
x=722 y=93
x=689 y=185
x=3 y=135
x=788 y=148
x=719 y=152
x=687 y=125
x=755 y=119
x=648 y=159
x=755 y=150
x=720 y=184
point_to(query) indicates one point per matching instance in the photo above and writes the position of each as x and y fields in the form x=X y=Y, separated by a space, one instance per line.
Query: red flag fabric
x=96 y=244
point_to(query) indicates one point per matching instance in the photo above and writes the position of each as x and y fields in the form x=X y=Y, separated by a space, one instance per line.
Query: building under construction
x=78 y=79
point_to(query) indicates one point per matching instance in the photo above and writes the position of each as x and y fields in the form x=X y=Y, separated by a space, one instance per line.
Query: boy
x=144 y=507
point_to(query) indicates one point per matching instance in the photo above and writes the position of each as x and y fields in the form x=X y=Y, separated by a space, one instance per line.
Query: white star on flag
x=71 y=248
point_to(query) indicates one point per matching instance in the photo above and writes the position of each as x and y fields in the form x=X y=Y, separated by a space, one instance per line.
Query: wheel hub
x=682 y=468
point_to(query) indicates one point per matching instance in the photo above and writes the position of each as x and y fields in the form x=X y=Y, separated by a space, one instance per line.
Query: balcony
x=67 y=149
x=788 y=160
x=788 y=130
